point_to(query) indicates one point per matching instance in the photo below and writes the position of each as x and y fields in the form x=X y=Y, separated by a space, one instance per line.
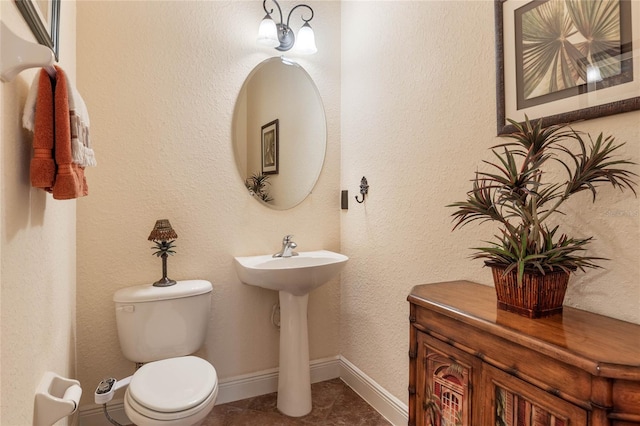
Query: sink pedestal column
x=294 y=377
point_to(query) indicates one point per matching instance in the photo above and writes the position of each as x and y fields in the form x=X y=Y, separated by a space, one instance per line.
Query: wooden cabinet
x=474 y=365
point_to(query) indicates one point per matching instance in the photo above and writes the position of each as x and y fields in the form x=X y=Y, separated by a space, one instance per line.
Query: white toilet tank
x=162 y=322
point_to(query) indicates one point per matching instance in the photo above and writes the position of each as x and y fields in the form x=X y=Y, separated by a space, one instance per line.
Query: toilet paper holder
x=56 y=397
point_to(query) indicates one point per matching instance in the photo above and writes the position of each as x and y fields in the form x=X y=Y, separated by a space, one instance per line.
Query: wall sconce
x=281 y=35
x=163 y=235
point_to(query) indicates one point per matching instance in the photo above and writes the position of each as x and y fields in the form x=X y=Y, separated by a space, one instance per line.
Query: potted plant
x=530 y=259
x=257 y=186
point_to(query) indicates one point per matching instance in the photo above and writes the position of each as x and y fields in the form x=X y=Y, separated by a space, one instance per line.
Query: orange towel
x=43 y=168
x=54 y=170
x=70 y=180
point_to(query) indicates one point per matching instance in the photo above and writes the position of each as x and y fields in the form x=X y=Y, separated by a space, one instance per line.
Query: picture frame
x=43 y=18
x=585 y=95
x=270 y=147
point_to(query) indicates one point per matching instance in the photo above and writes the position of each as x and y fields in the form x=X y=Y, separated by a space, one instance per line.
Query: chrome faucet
x=287 y=247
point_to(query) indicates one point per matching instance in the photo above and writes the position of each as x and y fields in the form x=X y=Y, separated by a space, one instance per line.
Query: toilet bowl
x=160 y=327
x=177 y=391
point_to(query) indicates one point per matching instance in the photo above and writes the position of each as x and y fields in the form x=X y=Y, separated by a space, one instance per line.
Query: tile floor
x=334 y=404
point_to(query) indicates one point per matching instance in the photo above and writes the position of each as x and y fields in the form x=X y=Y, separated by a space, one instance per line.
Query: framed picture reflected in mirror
x=43 y=18
x=270 y=147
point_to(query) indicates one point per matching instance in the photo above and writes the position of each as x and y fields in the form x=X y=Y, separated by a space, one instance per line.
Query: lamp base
x=164 y=282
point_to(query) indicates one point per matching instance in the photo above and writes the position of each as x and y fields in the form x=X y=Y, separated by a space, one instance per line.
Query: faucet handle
x=287 y=239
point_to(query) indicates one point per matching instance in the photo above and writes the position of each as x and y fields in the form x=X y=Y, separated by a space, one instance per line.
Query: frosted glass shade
x=268 y=33
x=306 y=40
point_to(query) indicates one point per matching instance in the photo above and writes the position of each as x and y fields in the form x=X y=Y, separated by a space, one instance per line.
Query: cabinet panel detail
x=512 y=409
x=445 y=394
x=517 y=403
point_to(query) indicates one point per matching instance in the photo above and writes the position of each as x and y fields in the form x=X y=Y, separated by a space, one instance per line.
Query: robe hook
x=364 y=189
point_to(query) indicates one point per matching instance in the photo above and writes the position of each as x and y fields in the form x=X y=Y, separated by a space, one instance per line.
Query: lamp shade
x=306 y=40
x=162 y=231
x=268 y=33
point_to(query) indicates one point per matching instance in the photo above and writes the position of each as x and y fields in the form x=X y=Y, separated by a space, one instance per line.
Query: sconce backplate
x=285 y=37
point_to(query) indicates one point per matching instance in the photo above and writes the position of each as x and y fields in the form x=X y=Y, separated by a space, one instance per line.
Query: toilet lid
x=173 y=384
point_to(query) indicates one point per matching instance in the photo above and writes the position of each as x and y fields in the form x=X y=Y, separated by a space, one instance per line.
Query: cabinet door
x=513 y=402
x=444 y=385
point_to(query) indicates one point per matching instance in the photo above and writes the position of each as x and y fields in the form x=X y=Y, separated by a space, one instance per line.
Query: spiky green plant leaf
x=516 y=195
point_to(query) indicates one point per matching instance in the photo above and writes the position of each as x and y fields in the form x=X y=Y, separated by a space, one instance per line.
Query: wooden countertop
x=604 y=346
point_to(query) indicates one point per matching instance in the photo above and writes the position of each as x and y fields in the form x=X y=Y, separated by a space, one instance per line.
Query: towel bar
x=18 y=54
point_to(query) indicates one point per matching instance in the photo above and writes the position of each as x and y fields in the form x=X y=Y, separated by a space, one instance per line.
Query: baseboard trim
x=92 y=415
x=394 y=410
x=264 y=382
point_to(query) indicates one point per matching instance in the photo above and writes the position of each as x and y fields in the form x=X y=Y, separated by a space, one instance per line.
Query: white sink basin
x=297 y=275
x=293 y=278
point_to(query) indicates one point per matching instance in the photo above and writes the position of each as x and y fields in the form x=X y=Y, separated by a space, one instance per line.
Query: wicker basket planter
x=538 y=296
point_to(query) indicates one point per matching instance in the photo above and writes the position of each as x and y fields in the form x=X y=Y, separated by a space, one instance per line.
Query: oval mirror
x=279 y=133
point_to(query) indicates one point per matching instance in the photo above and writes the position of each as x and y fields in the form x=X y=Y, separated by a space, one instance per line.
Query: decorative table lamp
x=164 y=236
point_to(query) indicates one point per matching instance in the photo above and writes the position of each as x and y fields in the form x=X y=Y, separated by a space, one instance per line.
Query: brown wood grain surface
x=582 y=366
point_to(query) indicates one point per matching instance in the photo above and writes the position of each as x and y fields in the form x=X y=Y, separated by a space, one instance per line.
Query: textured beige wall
x=417 y=113
x=418 y=116
x=37 y=248
x=161 y=80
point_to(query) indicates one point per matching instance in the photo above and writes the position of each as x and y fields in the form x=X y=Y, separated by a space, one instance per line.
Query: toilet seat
x=172 y=389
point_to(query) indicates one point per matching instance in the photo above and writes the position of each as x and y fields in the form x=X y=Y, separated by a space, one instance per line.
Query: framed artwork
x=270 y=148
x=43 y=18
x=563 y=61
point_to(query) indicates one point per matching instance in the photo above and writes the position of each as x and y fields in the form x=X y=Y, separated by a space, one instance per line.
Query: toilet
x=161 y=327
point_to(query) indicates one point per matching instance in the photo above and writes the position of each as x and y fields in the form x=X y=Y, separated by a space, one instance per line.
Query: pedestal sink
x=293 y=278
